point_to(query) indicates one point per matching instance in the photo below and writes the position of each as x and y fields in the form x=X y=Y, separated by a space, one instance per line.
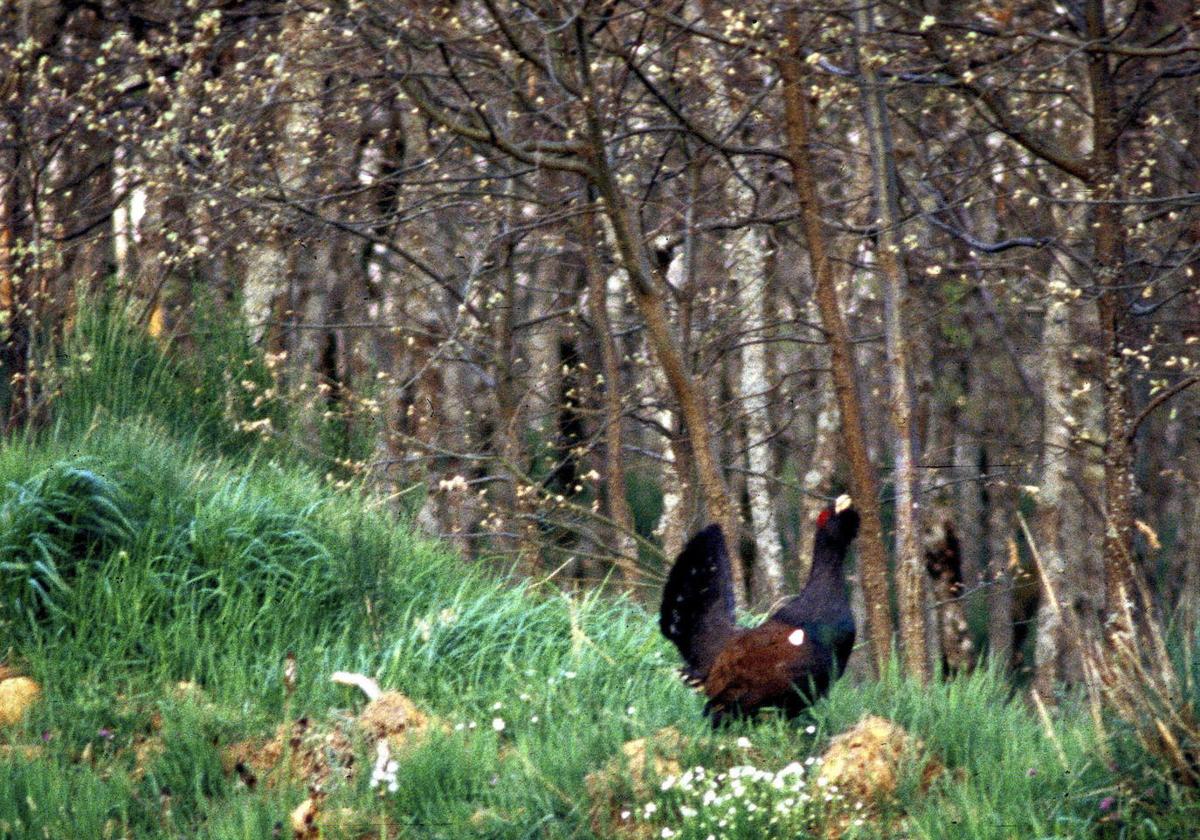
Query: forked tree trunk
x=631 y=246
x=624 y=548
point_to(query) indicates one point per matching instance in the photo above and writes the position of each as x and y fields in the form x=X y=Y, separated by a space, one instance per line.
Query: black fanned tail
x=697 y=606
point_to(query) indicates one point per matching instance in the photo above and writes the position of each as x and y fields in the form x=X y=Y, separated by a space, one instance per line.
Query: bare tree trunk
x=862 y=476
x=624 y=547
x=22 y=247
x=943 y=561
x=16 y=308
x=1056 y=455
x=746 y=266
x=511 y=500
x=1183 y=511
x=1002 y=552
x=747 y=270
x=678 y=507
x=271 y=258
x=1109 y=266
x=911 y=576
x=969 y=504
x=815 y=482
x=123 y=222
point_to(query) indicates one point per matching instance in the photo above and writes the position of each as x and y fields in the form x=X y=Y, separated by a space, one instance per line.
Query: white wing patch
x=796 y=637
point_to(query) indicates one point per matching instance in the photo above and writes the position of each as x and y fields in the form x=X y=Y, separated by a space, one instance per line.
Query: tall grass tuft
x=212 y=388
x=1151 y=691
x=52 y=527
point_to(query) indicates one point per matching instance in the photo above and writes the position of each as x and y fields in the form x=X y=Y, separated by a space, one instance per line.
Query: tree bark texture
x=747 y=271
x=1109 y=270
x=1056 y=454
x=631 y=246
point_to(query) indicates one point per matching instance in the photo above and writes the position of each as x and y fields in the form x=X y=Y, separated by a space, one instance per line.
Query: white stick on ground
x=369 y=686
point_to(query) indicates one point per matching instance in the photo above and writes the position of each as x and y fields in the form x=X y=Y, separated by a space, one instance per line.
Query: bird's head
x=838 y=522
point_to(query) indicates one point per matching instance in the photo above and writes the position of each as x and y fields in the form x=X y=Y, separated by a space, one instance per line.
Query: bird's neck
x=824 y=596
x=827 y=577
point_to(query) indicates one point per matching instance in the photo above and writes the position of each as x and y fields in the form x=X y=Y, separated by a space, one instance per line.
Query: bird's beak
x=843 y=503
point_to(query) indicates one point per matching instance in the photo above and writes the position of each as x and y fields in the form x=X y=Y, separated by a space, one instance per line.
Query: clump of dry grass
x=1131 y=673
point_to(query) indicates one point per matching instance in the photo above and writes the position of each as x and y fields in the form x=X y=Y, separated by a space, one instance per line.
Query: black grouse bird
x=790 y=659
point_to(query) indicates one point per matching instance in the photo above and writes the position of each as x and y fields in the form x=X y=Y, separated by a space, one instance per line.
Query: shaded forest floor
x=156 y=573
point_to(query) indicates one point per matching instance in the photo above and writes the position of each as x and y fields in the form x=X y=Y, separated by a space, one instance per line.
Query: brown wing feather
x=760 y=668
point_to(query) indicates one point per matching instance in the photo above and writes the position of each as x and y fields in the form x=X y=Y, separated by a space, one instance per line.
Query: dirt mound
x=393 y=716
x=317 y=753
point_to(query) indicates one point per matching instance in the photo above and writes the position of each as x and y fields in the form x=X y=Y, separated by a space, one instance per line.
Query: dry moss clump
x=393 y=716
x=865 y=762
x=629 y=778
x=17 y=694
x=319 y=753
x=315 y=755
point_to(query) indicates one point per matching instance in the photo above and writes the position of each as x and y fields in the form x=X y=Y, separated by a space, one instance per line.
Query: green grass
x=210 y=571
x=137 y=551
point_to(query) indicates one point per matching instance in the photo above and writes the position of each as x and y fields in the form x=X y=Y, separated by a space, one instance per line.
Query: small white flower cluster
x=427 y=624
x=384 y=771
x=744 y=801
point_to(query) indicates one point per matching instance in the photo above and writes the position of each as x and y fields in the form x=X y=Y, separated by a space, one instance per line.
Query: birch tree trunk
x=747 y=269
x=1056 y=455
x=815 y=482
x=911 y=577
x=678 y=510
x=298 y=92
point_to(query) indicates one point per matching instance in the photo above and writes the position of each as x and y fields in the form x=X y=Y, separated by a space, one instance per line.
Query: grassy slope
x=216 y=565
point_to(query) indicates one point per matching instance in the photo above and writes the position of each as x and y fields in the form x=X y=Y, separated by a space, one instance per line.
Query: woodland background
x=567 y=280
